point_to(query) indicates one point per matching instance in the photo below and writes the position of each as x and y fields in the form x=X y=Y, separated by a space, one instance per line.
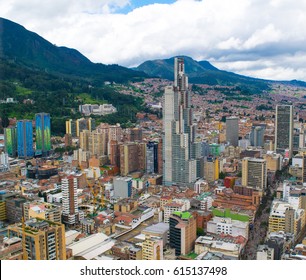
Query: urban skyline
x=104 y=191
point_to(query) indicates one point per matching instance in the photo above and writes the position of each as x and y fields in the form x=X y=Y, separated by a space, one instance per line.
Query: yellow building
x=75 y=127
x=42 y=210
x=211 y=169
x=2 y=211
x=273 y=161
x=84 y=140
x=254 y=173
x=152 y=248
x=283 y=217
x=42 y=239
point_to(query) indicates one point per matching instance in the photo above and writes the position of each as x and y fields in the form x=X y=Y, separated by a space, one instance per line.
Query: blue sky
x=139 y=3
x=258 y=38
x=134 y=4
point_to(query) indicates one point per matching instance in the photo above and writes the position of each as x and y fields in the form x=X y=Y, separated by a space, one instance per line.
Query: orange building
x=228 y=199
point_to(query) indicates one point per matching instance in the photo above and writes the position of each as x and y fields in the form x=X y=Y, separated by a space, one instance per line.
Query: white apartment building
x=172 y=207
x=219 y=225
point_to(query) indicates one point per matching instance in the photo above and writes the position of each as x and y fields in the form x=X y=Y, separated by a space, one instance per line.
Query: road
x=258 y=234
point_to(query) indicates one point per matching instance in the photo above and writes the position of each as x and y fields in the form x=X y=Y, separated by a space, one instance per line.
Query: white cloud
x=265 y=38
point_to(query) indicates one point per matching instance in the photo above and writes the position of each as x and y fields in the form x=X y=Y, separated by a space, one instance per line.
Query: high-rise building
x=97 y=143
x=14 y=209
x=160 y=163
x=232 y=131
x=257 y=136
x=4 y=162
x=114 y=153
x=180 y=151
x=10 y=141
x=44 y=240
x=25 y=139
x=71 y=127
x=123 y=187
x=304 y=169
x=84 y=140
x=70 y=214
x=134 y=134
x=132 y=157
x=183 y=232
x=302 y=140
x=152 y=248
x=115 y=132
x=68 y=140
x=152 y=157
x=254 y=173
x=211 y=169
x=75 y=127
x=284 y=129
x=43 y=133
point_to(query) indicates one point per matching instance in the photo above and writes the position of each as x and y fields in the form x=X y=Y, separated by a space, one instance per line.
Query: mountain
x=27 y=48
x=202 y=72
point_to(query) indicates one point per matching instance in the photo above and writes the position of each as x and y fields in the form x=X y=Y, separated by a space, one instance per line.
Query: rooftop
x=183 y=215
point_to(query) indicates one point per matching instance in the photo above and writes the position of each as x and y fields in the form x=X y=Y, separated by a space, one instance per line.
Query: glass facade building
x=43 y=133
x=10 y=140
x=25 y=139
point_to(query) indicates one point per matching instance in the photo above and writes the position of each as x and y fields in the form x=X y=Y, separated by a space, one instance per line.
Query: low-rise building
x=226 y=245
x=219 y=225
x=264 y=252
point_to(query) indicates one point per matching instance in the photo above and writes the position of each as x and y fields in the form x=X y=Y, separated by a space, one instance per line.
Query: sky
x=259 y=38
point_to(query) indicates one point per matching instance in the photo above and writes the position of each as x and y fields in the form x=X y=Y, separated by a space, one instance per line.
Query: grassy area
x=192 y=255
x=23 y=91
x=87 y=99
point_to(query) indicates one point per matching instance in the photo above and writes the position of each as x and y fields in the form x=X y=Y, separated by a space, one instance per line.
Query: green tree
x=200 y=232
x=222 y=175
x=4 y=119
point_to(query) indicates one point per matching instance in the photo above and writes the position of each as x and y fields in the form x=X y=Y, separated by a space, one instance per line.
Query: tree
x=222 y=175
x=200 y=232
x=4 y=119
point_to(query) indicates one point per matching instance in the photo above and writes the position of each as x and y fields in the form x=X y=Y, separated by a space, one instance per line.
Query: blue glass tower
x=25 y=139
x=43 y=133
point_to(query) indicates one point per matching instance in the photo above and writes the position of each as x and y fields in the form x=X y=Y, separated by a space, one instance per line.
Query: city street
x=258 y=233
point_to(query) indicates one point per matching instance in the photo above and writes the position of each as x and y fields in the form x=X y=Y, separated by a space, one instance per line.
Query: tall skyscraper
x=232 y=130
x=254 y=173
x=284 y=129
x=10 y=141
x=181 y=153
x=43 y=133
x=25 y=139
x=257 y=136
x=71 y=214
